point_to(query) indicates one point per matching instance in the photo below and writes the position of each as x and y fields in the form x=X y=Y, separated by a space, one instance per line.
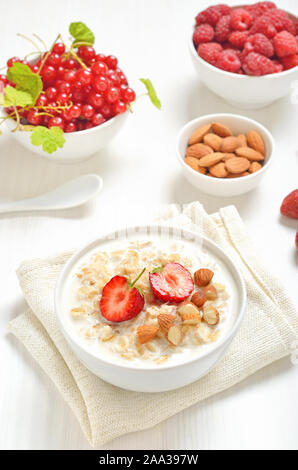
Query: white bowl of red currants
x=82 y=102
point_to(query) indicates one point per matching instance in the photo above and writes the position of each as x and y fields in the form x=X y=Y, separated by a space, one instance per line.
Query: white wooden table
x=140 y=172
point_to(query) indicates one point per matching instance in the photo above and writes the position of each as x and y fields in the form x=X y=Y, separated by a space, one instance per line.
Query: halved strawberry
x=120 y=300
x=289 y=206
x=171 y=283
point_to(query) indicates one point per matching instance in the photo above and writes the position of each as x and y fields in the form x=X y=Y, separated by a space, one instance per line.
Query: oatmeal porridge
x=149 y=302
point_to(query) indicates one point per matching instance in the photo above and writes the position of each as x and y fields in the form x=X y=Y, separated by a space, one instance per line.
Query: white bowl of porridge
x=150 y=308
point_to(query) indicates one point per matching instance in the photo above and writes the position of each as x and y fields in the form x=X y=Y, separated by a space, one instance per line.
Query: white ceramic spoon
x=71 y=194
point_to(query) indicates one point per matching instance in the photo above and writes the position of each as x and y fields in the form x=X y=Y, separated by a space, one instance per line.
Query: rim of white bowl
x=241 y=289
x=212 y=117
x=269 y=76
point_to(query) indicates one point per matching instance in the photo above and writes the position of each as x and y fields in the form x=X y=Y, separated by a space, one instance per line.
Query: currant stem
x=136 y=280
x=30 y=40
x=40 y=40
x=47 y=54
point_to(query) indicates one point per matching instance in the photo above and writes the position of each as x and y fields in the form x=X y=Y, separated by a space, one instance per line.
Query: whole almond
x=192 y=162
x=254 y=166
x=213 y=141
x=221 y=129
x=210 y=315
x=174 y=335
x=165 y=320
x=198 y=150
x=203 y=276
x=219 y=170
x=250 y=154
x=227 y=156
x=242 y=140
x=237 y=165
x=255 y=141
x=211 y=159
x=210 y=292
x=229 y=144
x=238 y=175
x=199 y=298
x=146 y=333
x=198 y=135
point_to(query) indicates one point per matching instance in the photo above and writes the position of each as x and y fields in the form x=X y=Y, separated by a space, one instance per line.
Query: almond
x=212 y=159
x=254 y=166
x=198 y=150
x=146 y=333
x=210 y=292
x=192 y=162
x=198 y=135
x=213 y=141
x=210 y=315
x=219 y=170
x=203 y=276
x=242 y=140
x=255 y=141
x=250 y=154
x=202 y=170
x=165 y=320
x=221 y=129
x=238 y=175
x=229 y=144
x=227 y=156
x=237 y=165
x=174 y=335
x=191 y=319
x=187 y=308
x=199 y=298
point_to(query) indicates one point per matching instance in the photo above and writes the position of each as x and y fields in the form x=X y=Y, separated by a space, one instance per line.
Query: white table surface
x=140 y=172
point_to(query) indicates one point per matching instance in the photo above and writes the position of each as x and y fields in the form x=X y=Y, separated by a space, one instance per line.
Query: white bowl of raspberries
x=248 y=55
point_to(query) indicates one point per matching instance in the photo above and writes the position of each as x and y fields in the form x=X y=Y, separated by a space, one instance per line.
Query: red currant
x=77 y=85
x=54 y=60
x=42 y=100
x=3 y=78
x=70 y=127
x=111 y=61
x=99 y=68
x=95 y=99
x=69 y=76
x=62 y=98
x=78 y=96
x=51 y=93
x=87 y=111
x=59 y=48
x=84 y=76
x=11 y=61
x=70 y=64
x=112 y=95
x=86 y=53
x=56 y=121
x=60 y=72
x=119 y=107
x=106 y=111
x=97 y=119
x=128 y=95
x=114 y=77
x=34 y=68
x=48 y=73
x=33 y=117
x=64 y=87
x=88 y=125
x=100 y=57
x=100 y=83
x=72 y=113
x=45 y=120
x=80 y=125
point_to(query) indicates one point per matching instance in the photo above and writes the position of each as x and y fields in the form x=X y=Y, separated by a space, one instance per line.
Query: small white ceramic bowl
x=243 y=91
x=224 y=186
x=151 y=378
x=78 y=146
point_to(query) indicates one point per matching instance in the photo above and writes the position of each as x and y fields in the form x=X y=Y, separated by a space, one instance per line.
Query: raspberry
x=241 y=19
x=238 y=38
x=296 y=26
x=285 y=44
x=259 y=43
x=278 y=67
x=222 y=29
x=289 y=206
x=264 y=26
x=223 y=9
x=228 y=61
x=210 y=51
x=203 y=33
x=210 y=16
x=290 y=61
x=265 y=6
x=257 y=64
x=279 y=18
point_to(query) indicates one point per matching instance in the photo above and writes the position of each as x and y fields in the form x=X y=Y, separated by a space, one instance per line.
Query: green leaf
x=151 y=92
x=157 y=270
x=25 y=80
x=13 y=97
x=81 y=33
x=50 y=139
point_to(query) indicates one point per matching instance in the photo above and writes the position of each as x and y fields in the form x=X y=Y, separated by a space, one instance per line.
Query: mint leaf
x=25 y=80
x=49 y=139
x=13 y=97
x=81 y=33
x=151 y=92
x=157 y=270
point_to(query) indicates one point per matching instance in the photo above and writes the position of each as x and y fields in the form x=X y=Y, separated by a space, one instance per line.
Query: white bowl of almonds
x=150 y=308
x=224 y=154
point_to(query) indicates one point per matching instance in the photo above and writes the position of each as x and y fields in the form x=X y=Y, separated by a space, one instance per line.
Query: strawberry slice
x=171 y=283
x=120 y=300
x=289 y=206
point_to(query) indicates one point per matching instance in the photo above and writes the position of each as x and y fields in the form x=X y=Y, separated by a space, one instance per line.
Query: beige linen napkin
x=269 y=329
